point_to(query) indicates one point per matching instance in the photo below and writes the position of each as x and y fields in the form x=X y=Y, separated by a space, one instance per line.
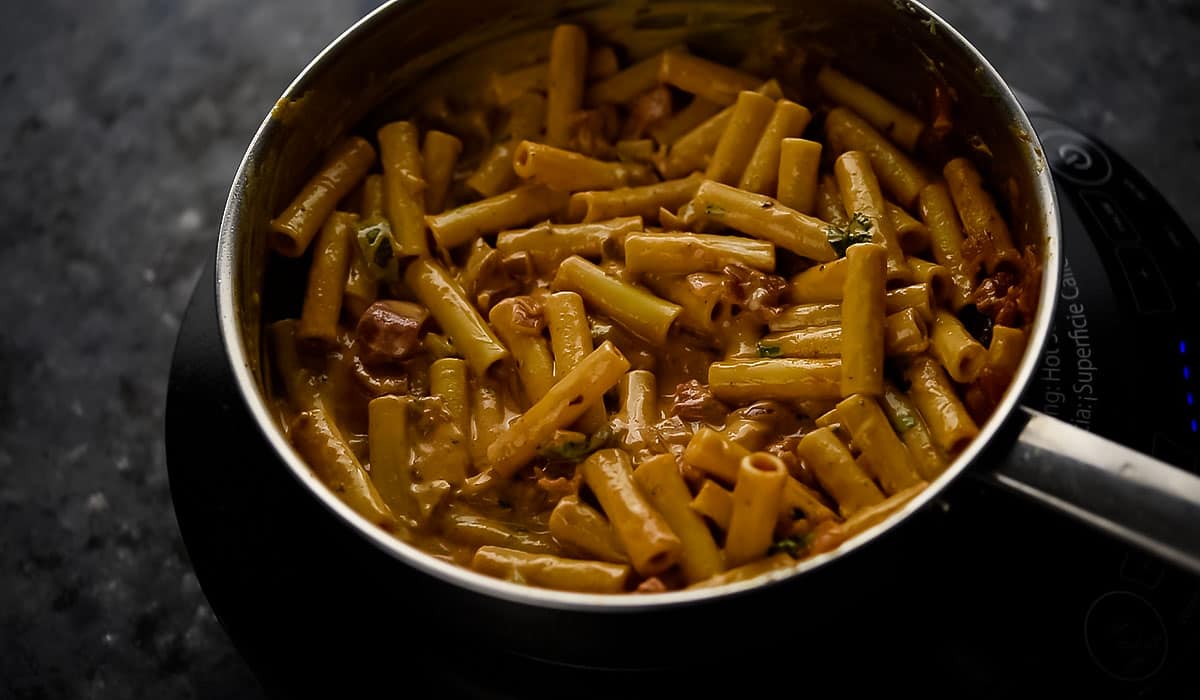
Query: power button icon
x=1076 y=158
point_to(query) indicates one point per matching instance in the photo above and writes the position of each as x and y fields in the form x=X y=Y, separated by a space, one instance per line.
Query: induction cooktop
x=1010 y=601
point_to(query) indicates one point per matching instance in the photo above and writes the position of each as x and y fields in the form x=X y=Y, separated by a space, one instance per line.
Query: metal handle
x=1125 y=493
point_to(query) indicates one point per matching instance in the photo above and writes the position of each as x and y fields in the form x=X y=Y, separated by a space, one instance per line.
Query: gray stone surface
x=121 y=123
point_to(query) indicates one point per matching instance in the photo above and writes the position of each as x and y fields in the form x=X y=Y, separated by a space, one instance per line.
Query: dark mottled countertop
x=121 y=123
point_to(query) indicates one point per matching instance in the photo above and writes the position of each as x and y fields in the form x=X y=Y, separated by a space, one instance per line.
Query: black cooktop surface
x=1010 y=600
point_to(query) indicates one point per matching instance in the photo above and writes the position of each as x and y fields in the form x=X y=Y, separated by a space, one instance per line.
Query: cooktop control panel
x=1124 y=359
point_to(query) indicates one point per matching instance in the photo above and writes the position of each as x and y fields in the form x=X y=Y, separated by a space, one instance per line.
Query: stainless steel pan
x=379 y=68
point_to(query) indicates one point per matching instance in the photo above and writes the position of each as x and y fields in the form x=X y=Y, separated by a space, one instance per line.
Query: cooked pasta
x=642 y=327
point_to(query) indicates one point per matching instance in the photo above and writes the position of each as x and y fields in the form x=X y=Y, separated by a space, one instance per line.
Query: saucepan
x=385 y=64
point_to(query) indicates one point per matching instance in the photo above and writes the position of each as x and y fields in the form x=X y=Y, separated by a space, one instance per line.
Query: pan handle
x=1134 y=497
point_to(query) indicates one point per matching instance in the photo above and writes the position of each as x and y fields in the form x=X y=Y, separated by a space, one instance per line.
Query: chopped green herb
x=576 y=449
x=379 y=248
x=858 y=231
x=769 y=350
x=713 y=210
x=790 y=545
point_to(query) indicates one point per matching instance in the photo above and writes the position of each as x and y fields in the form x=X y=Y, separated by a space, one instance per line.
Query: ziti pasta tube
x=567 y=171
x=833 y=465
x=520 y=206
x=933 y=395
x=783 y=379
x=765 y=218
x=946 y=239
x=571 y=341
x=864 y=203
x=962 y=356
x=712 y=81
x=862 y=320
x=549 y=244
x=644 y=201
x=683 y=253
x=742 y=133
x=977 y=209
x=756 y=500
x=327 y=279
x=639 y=311
x=898 y=174
x=562 y=405
x=583 y=528
x=296 y=226
x=439 y=154
x=457 y=316
x=911 y=428
x=565 y=78
x=659 y=479
x=693 y=150
x=799 y=161
x=901 y=126
x=652 y=546
x=404 y=185
x=761 y=175
x=321 y=444
x=390 y=454
x=518 y=321
x=873 y=435
x=549 y=571
x=912 y=235
x=714 y=503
